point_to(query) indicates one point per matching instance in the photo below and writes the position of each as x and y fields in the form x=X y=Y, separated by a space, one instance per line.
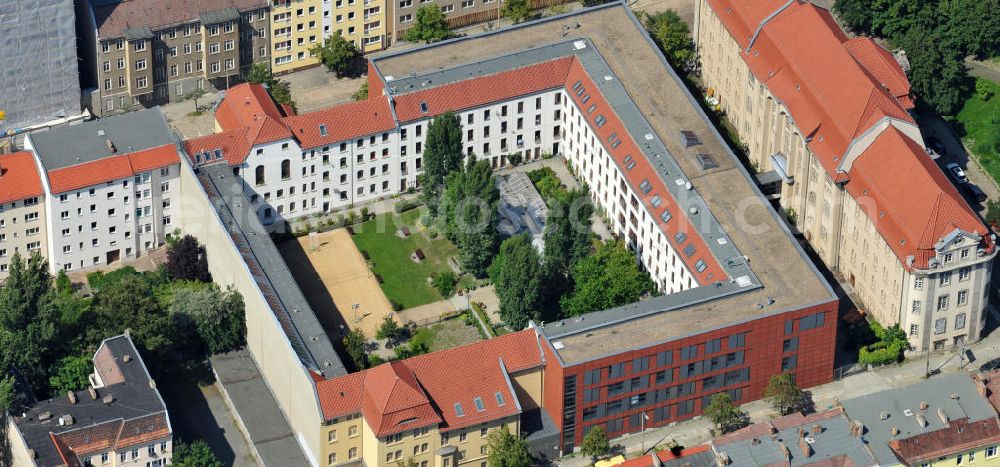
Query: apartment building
x=22 y=209
x=401 y=14
x=120 y=420
x=148 y=52
x=829 y=115
x=298 y=25
x=429 y=409
x=108 y=185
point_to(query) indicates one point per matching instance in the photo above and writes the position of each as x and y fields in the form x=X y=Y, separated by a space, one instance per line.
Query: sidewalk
x=696 y=431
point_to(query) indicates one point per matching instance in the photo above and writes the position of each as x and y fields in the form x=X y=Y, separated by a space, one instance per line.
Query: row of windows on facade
x=187 y=30
x=944 y=278
x=636 y=421
x=944 y=301
x=123 y=456
x=161 y=91
x=941 y=325
x=260 y=178
x=146 y=228
x=142 y=82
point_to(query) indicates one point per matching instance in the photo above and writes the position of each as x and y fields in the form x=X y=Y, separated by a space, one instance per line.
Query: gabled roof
x=482 y=90
x=233 y=145
x=424 y=390
x=248 y=110
x=18 y=177
x=342 y=122
x=111 y=168
x=959 y=436
x=883 y=67
x=113 y=18
x=908 y=198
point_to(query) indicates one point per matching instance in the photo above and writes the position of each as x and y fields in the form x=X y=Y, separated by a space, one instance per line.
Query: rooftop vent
x=580 y=45
x=558 y=345
x=908 y=413
x=66 y=420
x=72 y=397
x=44 y=416
x=921 y=420
x=93 y=393
x=721 y=459
x=108 y=399
x=127 y=358
x=883 y=415
x=894 y=431
x=943 y=416
x=111 y=146
x=923 y=405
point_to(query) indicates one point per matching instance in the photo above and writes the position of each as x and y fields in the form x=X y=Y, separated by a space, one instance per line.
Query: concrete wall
x=20 y=455
x=528 y=385
x=289 y=381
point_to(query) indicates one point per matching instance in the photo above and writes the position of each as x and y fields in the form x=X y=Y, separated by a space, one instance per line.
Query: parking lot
x=933 y=126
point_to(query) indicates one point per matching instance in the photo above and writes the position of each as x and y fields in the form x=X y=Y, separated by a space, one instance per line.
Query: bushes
x=445 y=283
x=404 y=205
x=889 y=348
x=547 y=183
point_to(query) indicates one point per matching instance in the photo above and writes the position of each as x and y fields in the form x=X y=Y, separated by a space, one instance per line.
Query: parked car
x=935 y=145
x=956 y=173
x=975 y=192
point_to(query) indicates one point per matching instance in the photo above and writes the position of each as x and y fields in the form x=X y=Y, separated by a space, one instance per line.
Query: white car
x=956 y=173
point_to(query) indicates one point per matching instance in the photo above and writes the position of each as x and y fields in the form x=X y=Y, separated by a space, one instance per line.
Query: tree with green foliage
x=337 y=54
x=430 y=26
x=355 y=343
x=673 y=36
x=442 y=156
x=784 y=395
x=362 y=92
x=260 y=73
x=595 y=443
x=196 y=454
x=568 y=239
x=470 y=214
x=389 y=329
x=608 y=278
x=724 y=414
x=517 y=274
x=517 y=10
x=444 y=283
x=984 y=90
x=281 y=91
x=507 y=450
x=130 y=303
x=216 y=317
x=29 y=319
x=993 y=212
x=7 y=400
x=937 y=72
x=188 y=261
x=71 y=374
x=594 y=2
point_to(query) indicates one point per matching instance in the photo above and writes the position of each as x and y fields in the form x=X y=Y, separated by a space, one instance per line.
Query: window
x=352 y=431
x=940 y=325
x=140 y=64
x=945 y=278
x=916 y=307
x=332 y=458
x=991 y=452
x=963 y=274
x=914 y=330
x=963 y=297
x=286 y=169
x=942 y=303
x=463 y=437
x=352 y=453
x=918 y=283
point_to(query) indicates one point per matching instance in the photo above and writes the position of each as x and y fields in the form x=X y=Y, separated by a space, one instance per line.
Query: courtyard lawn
x=403 y=281
x=979 y=126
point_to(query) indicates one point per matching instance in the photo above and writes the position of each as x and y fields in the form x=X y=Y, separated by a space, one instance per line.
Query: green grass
x=979 y=127
x=448 y=334
x=403 y=281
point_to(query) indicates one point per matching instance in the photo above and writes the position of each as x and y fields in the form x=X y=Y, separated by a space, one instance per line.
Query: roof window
x=580 y=91
x=700 y=266
x=592 y=108
x=600 y=120
x=585 y=99
x=656 y=201
x=645 y=186
x=322 y=130
x=665 y=216
x=423 y=107
x=679 y=237
x=689 y=250
x=479 y=404
x=707 y=162
x=577 y=84
x=615 y=143
x=458 y=409
x=499 y=398
x=612 y=136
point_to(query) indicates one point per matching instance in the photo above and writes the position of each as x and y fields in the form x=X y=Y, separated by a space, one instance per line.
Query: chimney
x=111 y=146
x=805 y=447
x=944 y=417
x=894 y=431
x=981 y=388
x=127 y=358
x=72 y=397
x=108 y=399
x=66 y=420
x=721 y=459
x=921 y=420
x=857 y=428
x=771 y=428
x=93 y=393
x=785 y=451
x=923 y=405
x=817 y=429
x=44 y=416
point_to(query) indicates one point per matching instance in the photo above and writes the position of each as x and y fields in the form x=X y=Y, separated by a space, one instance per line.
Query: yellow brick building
x=297 y=25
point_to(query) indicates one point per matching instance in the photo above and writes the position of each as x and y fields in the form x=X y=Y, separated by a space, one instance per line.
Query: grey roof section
x=936 y=392
x=133 y=398
x=39 y=75
x=522 y=208
x=699 y=459
x=88 y=141
x=833 y=440
x=220 y=16
x=289 y=305
x=139 y=32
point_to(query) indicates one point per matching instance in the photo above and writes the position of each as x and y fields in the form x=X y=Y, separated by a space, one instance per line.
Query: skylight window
x=612 y=136
x=592 y=108
x=500 y=400
x=479 y=404
x=322 y=130
x=615 y=143
x=600 y=120
x=665 y=216
x=585 y=99
x=458 y=409
x=423 y=107
x=577 y=84
x=700 y=265
x=580 y=91
x=656 y=201
x=679 y=237
x=645 y=186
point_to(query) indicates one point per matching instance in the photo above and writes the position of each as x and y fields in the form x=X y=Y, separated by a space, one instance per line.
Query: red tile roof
x=114 y=434
x=244 y=106
x=483 y=90
x=663 y=456
x=836 y=89
x=423 y=390
x=115 y=17
x=959 y=436
x=234 y=144
x=644 y=170
x=19 y=177
x=908 y=198
x=343 y=122
x=115 y=167
x=247 y=116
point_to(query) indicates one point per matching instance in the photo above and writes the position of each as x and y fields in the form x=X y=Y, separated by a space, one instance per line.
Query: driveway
x=933 y=125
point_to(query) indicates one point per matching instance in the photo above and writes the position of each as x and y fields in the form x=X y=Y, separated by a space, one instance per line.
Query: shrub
x=406 y=205
x=445 y=283
x=880 y=353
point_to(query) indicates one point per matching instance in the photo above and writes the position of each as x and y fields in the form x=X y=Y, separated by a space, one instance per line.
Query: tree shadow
x=190 y=413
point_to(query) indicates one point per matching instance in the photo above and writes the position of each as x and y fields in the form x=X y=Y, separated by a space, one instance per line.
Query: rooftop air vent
x=580 y=45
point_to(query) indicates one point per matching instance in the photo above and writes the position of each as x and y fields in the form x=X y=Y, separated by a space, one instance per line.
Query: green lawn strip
x=979 y=127
x=451 y=333
x=403 y=281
